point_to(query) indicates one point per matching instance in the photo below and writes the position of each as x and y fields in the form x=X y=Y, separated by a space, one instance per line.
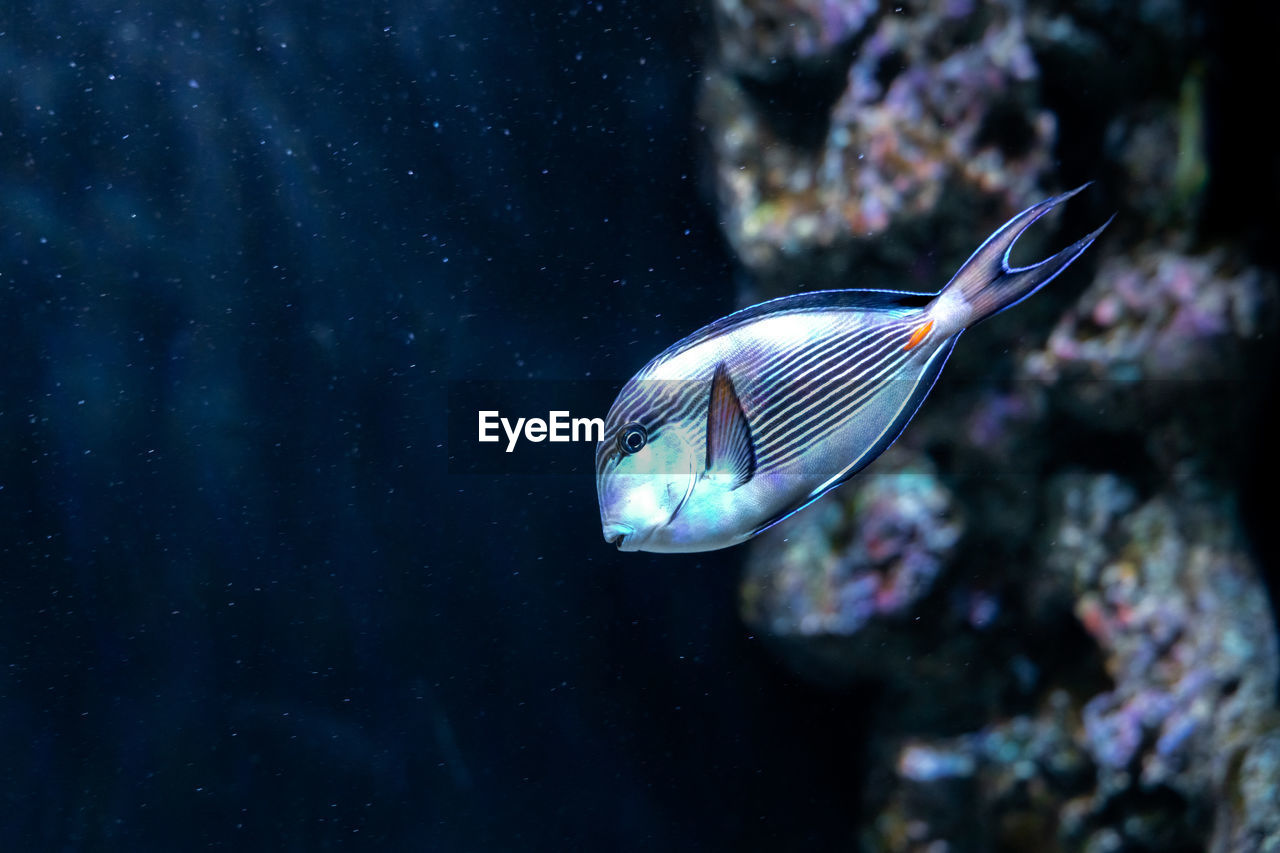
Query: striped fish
x=759 y=414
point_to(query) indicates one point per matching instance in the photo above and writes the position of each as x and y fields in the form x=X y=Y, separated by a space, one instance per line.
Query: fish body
x=757 y=415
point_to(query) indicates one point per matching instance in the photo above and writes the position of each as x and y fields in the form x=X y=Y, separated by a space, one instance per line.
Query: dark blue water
x=244 y=601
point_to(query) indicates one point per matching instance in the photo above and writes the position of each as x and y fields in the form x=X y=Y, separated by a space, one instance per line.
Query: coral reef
x=755 y=34
x=1045 y=577
x=1179 y=746
x=1170 y=594
x=1158 y=314
x=1165 y=339
x=881 y=567
x=854 y=589
x=1001 y=788
x=938 y=121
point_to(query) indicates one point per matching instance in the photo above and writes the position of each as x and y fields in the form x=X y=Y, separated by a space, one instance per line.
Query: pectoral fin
x=730 y=452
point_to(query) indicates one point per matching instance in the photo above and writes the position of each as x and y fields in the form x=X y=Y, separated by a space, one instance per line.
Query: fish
x=757 y=415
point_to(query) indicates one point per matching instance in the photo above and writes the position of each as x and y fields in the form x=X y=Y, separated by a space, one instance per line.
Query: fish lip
x=616 y=533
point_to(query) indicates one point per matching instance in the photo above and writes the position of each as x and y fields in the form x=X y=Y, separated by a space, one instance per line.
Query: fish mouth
x=622 y=535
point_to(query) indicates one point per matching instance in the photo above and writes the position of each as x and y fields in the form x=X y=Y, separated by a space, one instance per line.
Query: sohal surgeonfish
x=759 y=414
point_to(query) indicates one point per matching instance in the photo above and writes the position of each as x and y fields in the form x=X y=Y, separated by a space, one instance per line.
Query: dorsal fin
x=729 y=448
x=816 y=300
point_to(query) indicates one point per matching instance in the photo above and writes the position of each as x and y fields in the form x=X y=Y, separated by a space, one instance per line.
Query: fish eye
x=632 y=438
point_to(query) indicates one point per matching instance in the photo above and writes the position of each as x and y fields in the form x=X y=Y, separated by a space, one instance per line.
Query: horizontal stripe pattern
x=794 y=391
x=817 y=394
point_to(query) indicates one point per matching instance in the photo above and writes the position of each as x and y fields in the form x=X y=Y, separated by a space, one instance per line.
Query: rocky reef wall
x=1045 y=583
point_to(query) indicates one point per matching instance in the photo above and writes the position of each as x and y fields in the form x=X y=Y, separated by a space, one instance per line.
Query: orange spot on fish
x=918 y=335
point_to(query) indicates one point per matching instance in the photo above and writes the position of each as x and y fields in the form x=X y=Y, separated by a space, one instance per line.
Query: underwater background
x=258 y=590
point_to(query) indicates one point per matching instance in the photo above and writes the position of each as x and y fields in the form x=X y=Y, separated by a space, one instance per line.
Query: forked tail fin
x=987 y=285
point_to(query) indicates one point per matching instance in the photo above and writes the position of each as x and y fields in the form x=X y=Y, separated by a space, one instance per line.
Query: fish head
x=646 y=470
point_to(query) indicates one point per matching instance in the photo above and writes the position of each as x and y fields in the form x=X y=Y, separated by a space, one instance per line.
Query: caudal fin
x=987 y=284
